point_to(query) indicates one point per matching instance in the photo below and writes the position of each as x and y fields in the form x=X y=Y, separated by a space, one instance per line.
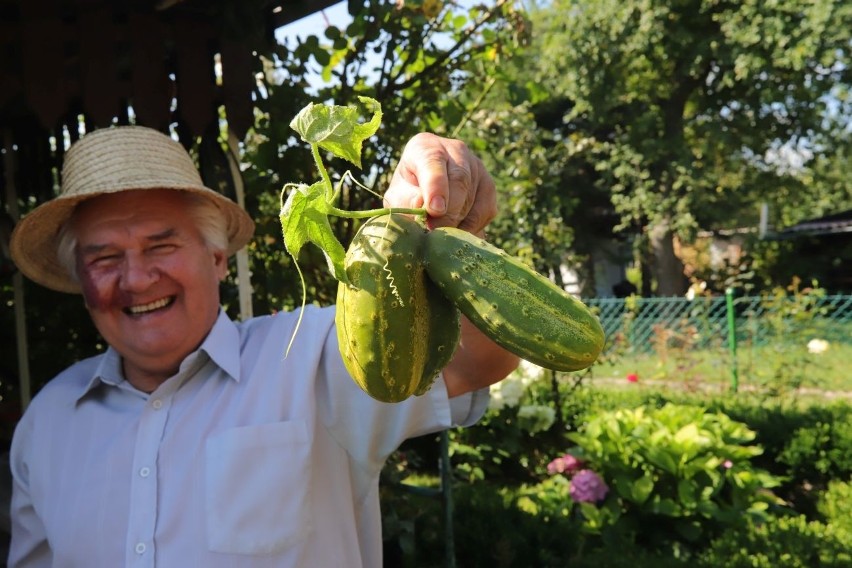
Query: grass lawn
x=776 y=366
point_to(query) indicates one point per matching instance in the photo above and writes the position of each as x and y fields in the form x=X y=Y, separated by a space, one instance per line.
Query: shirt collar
x=222 y=346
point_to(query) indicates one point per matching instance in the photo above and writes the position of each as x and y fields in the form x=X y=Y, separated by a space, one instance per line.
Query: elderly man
x=192 y=441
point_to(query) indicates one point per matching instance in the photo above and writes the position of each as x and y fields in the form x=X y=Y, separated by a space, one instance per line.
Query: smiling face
x=150 y=281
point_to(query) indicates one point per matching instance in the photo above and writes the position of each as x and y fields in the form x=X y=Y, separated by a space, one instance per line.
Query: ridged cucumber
x=395 y=331
x=516 y=307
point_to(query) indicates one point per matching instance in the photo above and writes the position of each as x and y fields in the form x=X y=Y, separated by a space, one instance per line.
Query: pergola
x=173 y=65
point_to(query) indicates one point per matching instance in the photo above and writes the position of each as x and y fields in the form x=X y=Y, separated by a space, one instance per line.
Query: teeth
x=141 y=309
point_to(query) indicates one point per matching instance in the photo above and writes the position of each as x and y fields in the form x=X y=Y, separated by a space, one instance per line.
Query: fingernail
x=438 y=204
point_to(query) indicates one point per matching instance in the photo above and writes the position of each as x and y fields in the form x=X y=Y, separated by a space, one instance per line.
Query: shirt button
x=157 y=404
x=140 y=548
x=144 y=472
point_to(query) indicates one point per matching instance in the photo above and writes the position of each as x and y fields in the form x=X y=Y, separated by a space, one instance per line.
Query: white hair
x=208 y=218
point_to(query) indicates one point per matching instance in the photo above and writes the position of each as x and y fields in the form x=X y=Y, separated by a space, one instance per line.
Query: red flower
x=566 y=464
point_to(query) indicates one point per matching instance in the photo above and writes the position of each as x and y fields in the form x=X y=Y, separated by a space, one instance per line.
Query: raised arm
x=446 y=178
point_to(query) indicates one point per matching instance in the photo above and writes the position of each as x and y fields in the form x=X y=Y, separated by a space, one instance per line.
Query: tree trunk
x=666 y=267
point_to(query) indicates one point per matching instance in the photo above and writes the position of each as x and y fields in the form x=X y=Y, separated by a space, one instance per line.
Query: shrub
x=835 y=507
x=788 y=542
x=677 y=474
x=524 y=527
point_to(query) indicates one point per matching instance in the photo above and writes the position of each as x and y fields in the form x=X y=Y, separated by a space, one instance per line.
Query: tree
x=676 y=112
x=410 y=56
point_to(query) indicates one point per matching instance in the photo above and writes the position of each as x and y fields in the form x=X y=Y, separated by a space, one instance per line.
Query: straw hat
x=110 y=160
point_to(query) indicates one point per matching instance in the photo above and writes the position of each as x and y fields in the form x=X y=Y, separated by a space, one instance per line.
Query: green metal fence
x=641 y=324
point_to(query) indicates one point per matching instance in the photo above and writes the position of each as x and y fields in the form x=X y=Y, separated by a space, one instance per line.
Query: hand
x=445 y=177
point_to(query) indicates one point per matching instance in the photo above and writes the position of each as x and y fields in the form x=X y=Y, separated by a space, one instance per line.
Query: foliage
x=673 y=116
x=509 y=527
x=792 y=542
x=835 y=506
x=406 y=56
x=56 y=337
x=679 y=469
x=517 y=511
x=819 y=452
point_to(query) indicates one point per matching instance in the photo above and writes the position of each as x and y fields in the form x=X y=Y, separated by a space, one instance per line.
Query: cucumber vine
x=305 y=211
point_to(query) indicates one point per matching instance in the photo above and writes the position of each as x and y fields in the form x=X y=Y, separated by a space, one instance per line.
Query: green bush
x=510 y=511
x=835 y=507
x=807 y=444
x=678 y=475
x=503 y=527
x=784 y=542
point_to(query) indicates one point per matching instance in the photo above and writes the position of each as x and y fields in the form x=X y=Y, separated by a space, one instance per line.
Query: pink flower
x=587 y=487
x=727 y=464
x=632 y=378
x=566 y=464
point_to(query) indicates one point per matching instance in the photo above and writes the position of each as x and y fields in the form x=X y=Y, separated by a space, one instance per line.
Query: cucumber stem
x=323 y=172
x=366 y=213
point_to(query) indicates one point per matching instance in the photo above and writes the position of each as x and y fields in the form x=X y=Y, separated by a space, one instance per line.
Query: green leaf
x=686 y=493
x=304 y=218
x=662 y=457
x=337 y=128
x=691 y=531
x=664 y=506
x=642 y=488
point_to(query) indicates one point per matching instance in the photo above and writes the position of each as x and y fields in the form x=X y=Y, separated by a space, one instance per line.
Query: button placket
x=143 y=487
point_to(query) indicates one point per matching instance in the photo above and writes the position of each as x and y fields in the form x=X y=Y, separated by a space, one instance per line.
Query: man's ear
x=220 y=260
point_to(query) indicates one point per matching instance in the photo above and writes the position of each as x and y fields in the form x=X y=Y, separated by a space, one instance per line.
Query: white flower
x=528 y=372
x=536 y=418
x=507 y=392
x=695 y=289
x=817 y=346
x=496 y=402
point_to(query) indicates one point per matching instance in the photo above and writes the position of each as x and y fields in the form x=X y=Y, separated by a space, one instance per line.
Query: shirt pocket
x=258 y=488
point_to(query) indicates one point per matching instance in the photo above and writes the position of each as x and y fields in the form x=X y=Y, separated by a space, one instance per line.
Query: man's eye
x=104 y=259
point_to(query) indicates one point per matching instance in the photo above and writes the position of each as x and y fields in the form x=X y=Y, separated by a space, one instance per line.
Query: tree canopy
x=686 y=115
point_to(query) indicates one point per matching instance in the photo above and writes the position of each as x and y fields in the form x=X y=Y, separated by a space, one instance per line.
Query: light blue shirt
x=245 y=458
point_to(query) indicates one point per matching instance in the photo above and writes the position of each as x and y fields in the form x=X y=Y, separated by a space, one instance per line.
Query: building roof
x=149 y=62
x=826 y=225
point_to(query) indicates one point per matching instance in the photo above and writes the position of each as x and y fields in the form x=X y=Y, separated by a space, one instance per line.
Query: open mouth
x=154 y=306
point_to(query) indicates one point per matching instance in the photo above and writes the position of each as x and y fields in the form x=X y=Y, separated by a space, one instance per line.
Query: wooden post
x=243 y=272
x=17 y=278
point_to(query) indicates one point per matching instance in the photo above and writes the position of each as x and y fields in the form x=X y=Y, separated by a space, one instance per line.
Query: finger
x=460 y=195
x=424 y=164
x=402 y=193
x=482 y=199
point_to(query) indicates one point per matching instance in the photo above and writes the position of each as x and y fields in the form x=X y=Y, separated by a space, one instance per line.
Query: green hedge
x=510 y=512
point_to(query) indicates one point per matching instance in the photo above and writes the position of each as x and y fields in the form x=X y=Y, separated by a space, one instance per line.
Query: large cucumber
x=516 y=307
x=395 y=330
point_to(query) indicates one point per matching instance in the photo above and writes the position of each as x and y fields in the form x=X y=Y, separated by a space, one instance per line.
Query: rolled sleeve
x=467 y=409
x=371 y=430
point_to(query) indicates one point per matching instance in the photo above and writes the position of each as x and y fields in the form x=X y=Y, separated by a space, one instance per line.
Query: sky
x=336 y=15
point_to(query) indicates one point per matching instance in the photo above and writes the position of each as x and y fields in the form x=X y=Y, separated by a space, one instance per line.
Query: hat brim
x=35 y=237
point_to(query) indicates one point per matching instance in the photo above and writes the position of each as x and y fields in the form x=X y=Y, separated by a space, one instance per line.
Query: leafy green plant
x=835 y=506
x=677 y=474
x=819 y=451
x=791 y=542
x=306 y=208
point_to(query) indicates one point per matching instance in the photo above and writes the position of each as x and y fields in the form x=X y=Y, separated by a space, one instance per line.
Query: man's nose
x=138 y=273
